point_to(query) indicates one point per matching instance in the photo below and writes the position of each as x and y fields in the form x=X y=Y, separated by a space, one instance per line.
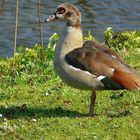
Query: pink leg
x=92 y=104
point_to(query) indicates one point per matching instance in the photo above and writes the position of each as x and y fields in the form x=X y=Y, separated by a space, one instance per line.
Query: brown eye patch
x=61 y=10
x=68 y=14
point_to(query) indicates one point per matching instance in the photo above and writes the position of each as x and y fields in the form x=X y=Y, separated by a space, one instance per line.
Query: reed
x=40 y=29
x=2 y=6
x=16 y=29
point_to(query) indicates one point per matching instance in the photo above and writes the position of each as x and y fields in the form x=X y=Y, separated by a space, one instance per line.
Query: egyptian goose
x=89 y=65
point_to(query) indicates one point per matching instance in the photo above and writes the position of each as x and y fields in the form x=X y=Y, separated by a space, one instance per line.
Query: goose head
x=68 y=13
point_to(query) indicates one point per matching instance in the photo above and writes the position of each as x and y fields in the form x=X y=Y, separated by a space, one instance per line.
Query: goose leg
x=92 y=104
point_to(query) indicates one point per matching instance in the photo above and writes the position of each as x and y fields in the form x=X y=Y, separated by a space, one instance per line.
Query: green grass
x=36 y=104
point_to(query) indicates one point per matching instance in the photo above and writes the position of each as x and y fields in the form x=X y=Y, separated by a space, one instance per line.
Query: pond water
x=97 y=15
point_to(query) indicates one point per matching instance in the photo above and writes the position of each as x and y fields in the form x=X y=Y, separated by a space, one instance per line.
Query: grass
x=36 y=104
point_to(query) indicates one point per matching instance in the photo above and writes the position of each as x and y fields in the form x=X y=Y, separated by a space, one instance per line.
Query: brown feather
x=129 y=81
x=102 y=47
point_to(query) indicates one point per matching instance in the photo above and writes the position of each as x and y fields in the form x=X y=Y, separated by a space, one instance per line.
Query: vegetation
x=36 y=104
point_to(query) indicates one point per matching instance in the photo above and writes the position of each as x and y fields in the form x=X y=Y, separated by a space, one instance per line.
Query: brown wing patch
x=129 y=81
x=91 y=60
x=99 y=63
x=102 y=47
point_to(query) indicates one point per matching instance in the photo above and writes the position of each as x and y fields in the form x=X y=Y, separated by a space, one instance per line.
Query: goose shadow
x=23 y=111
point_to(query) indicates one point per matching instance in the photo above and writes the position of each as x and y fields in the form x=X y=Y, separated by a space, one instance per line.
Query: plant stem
x=2 y=6
x=40 y=28
x=16 y=28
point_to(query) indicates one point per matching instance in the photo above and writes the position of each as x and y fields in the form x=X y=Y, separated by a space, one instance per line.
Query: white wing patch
x=113 y=70
x=77 y=69
x=113 y=56
x=86 y=72
x=101 y=77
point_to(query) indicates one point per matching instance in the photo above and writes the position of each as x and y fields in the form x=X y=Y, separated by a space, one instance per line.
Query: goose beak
x=51 y=18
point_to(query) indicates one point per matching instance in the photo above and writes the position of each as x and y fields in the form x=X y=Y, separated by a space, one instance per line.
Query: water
x=97 y=15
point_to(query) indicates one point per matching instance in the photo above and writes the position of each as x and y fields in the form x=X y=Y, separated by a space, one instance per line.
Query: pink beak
x=51 y=18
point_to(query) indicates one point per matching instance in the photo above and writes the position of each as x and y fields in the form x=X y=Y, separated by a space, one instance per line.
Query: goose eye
x=61 y=10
